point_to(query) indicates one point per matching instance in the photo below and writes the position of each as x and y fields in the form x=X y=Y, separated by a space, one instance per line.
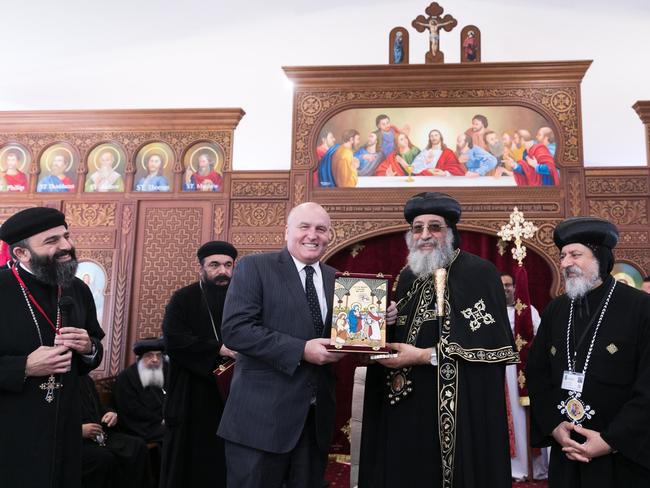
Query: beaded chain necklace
x=51 y=383
x=574 y=407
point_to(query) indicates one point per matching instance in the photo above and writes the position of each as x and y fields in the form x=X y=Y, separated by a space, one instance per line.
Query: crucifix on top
x=433 y=23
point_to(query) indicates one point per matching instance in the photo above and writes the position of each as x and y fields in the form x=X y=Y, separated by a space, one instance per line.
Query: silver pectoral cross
x=50 y=386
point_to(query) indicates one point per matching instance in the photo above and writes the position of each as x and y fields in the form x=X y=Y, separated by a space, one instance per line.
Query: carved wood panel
x=99 y=214
x=260 y=189
x=118 y=341
x=605 y=186
x=258 y=214
x=169 y=238
x=631 y=211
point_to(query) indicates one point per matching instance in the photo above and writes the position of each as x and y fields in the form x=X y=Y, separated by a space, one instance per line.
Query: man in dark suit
x=279 y=417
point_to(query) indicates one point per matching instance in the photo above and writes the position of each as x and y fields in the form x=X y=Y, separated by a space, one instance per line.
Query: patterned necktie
x=312 y=299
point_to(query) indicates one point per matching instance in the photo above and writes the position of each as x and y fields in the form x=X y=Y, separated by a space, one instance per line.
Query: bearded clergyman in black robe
x=193 y=455
x=49 y=336
x=140 y=391
x=589 y=368
x=435 y=415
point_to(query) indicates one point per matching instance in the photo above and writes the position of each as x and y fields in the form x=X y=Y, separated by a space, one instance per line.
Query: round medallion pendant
x=575 y=410
x=398 y=383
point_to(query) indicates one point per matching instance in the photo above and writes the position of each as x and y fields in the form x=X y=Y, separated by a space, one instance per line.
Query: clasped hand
x=75 y=339
x=594 y=445
x=47 y=360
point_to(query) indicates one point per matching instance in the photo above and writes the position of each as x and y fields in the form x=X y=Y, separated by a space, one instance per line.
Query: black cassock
x=122 y=462
x=462 y=401
x=40 y=441
x=140 y=409
x=193 y=455
x=617 y=385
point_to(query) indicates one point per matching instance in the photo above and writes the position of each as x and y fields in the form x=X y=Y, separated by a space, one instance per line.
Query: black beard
x=219 y=280
x=48 y=270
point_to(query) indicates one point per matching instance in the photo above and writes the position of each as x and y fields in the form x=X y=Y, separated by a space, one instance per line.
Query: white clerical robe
x=520 y=461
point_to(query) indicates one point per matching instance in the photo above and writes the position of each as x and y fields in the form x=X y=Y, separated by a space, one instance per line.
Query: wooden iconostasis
x=143 y=189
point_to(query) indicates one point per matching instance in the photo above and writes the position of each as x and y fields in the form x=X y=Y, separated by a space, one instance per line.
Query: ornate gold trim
x=503 y=354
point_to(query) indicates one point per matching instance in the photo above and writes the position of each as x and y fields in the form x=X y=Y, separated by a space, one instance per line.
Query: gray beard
x=151 y=377
x=578 y=286
x=423 y=263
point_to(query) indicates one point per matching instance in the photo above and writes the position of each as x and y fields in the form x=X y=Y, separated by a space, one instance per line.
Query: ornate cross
x=448 y=371
x=433 y=22
x=50 y=386
x=520 y=306
x=520 y=343
x=477 y=316
x=515 y=229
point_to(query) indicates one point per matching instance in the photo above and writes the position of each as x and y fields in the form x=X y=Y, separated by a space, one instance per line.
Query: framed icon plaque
x=359 y=317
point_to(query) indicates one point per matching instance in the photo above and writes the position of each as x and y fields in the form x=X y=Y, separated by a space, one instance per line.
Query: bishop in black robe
x=140 y=408
x=193 y=455
x=616 y=387
x=40 y=441
x=408 y=412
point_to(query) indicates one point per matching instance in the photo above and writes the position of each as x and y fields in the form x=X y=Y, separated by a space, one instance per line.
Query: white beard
x=151 y=377
x=423 y=263
x=578 y=286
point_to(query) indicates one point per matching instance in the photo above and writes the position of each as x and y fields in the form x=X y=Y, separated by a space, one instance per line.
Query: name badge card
x=572 y=381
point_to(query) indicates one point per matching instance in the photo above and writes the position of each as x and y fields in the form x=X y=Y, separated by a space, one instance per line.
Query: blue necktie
x=312 y=300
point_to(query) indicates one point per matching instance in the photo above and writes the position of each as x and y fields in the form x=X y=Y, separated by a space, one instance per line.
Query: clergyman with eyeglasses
x=435 y=414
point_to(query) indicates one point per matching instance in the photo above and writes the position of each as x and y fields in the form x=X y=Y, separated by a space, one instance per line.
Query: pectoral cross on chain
x=50 y=386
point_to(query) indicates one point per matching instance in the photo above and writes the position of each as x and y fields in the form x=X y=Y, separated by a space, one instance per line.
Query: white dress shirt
x=318 y=283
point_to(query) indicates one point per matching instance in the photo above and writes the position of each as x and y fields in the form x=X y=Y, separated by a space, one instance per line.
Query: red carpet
x=338 y=476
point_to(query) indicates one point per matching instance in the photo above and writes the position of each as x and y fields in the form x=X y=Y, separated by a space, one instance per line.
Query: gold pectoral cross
x=50 y=386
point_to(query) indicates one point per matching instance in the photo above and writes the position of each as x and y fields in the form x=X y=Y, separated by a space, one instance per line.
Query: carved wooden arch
x=539 y=244
x=547 y=252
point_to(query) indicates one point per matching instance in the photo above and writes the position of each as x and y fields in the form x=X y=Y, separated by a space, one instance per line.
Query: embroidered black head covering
x=599 y=235
x=435 y=203
x=29 y=222
x=216 y=247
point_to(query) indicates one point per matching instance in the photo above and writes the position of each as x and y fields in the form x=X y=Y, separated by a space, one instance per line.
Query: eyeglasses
x=433 y=228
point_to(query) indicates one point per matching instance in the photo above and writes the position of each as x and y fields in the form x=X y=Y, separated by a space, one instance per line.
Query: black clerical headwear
x=29 y=222
x=599 y=235
x=216 y=247
x=148 y=344
x=586 y=230
x=435 y=203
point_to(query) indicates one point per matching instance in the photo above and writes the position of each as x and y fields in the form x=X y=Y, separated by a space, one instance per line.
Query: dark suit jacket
x=267 y=320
